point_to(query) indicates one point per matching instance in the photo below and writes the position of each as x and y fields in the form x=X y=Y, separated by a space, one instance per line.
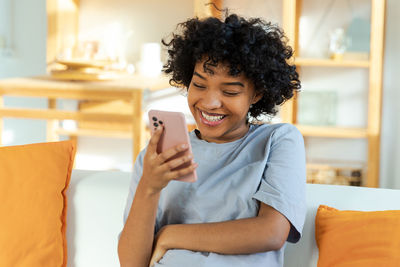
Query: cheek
x=191 y=96
x=241 y=105
x=190 y=101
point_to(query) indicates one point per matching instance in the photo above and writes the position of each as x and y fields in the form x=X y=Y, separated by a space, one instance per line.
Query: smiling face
x=220 y=102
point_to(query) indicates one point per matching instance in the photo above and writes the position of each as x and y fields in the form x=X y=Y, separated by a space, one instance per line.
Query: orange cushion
x=357 y=238
x=33 y=181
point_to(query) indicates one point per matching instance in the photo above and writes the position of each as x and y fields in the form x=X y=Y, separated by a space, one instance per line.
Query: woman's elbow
x=275 y=226
x=275 y=242
x=281 y=235
x=277 y=237
x=280 y=241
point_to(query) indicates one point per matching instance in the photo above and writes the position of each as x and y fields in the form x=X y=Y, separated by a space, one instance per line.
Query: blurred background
x=346 y=52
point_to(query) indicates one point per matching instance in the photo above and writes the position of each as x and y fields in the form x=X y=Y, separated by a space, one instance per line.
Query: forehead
x=220 y=69
x=219 y=73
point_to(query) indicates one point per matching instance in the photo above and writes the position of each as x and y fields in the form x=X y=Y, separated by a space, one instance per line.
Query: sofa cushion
x=357 y=238
x=95 y=217
x=33 y=180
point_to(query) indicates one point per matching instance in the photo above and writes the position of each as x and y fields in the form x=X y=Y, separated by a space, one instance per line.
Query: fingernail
x=190 y=156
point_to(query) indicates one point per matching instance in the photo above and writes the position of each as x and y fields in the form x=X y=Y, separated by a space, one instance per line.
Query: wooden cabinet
x=292 y=14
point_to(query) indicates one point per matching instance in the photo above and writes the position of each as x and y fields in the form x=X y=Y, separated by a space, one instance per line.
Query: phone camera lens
x=154 y=119
x=161 y=122
x=155 y=124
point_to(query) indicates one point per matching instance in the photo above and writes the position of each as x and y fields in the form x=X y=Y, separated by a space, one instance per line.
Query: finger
x=179 y=173
x=163 y=157
x=152 y=261
x=172 y=164
x=155 y=138
x=157 y=255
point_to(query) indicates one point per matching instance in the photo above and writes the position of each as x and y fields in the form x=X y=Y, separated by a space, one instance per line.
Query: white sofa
x=96 y=201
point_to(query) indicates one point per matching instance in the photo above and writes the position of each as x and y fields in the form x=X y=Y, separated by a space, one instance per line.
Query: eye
x=230 y=93
x=197 y=85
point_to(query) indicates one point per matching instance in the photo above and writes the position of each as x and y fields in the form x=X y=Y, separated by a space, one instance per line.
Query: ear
x=257 y=97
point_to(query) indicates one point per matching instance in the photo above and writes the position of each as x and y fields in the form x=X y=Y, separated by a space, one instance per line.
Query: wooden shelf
x=333 y=132
x=316 y=62
x=373 y=64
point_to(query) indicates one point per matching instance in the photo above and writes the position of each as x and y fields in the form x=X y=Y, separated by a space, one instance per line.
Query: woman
x=249 y=198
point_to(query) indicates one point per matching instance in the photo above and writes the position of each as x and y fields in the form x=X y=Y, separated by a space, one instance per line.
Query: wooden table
x=129 y=89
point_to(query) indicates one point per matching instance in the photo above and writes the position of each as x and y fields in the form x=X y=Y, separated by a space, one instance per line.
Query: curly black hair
x=257 y=48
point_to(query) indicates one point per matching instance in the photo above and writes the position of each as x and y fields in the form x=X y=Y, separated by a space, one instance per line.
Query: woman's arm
x=268 y=231
x=136 y=240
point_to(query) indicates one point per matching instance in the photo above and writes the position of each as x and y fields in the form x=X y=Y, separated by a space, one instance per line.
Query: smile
x=211 y=120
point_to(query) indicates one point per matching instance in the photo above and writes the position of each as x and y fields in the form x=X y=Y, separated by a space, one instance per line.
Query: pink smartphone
x=175 y=133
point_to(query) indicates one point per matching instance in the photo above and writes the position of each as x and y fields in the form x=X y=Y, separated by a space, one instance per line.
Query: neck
x=227 y=137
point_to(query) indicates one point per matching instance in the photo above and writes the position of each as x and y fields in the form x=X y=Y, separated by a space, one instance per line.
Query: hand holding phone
x=174 y=133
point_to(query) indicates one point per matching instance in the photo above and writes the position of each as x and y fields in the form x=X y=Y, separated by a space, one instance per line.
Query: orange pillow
x=357 y=238
x=33 y=181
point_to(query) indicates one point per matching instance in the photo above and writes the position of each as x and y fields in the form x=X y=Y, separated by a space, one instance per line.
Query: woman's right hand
x=157 y=170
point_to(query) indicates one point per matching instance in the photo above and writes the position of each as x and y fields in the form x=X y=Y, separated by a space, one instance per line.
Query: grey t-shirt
x=267 y=165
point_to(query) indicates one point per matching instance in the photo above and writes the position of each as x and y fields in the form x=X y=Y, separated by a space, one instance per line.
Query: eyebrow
x=228 y=83
x=197 y=74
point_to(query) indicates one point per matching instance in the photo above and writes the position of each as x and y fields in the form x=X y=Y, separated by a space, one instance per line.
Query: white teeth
x=211 y=118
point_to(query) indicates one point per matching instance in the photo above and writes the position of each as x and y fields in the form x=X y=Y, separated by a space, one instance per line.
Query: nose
x=211 y=100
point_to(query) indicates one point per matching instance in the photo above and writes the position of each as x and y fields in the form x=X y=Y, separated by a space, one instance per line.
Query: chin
x=210 y=133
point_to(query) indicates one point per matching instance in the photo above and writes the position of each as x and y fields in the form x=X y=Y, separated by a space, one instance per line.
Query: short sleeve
x=283 y=184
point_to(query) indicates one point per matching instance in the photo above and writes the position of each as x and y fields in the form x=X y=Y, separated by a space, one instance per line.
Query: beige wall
x=270 y=10
x=140 y=21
